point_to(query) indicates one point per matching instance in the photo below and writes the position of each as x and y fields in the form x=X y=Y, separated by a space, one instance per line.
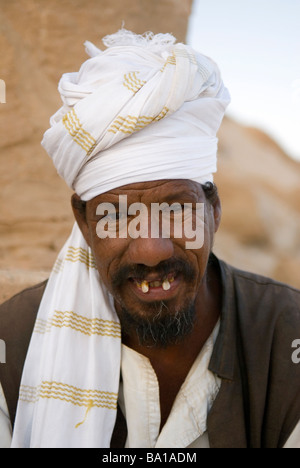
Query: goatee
x=162 y=329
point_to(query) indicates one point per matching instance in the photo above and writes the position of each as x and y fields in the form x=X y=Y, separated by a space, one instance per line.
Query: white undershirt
x=139 y=401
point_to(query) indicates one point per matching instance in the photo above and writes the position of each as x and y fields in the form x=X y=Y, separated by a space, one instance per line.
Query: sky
x=256 y=44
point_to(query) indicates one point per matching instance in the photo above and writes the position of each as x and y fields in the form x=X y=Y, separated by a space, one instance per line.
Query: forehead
x=150 y=191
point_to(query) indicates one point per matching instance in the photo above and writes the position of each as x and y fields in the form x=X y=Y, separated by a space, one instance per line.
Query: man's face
x=155 y=280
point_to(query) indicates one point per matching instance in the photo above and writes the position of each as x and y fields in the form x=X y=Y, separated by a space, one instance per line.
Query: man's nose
x=150 y=251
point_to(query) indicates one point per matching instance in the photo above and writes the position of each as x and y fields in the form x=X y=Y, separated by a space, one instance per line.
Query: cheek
x=200 y=256
x=199 y=232
x=209 y=227
x=107 y=254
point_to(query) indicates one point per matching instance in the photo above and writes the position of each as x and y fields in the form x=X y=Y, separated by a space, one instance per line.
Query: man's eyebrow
x=183 y=196
x=115 y=204
x=111 y=198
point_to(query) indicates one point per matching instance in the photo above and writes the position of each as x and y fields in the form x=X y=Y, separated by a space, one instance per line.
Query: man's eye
x=173 y=208
x=178 y=208
x=121 y=216
x=115 y=216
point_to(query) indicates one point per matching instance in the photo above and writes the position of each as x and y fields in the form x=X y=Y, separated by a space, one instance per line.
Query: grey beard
x=162 y=329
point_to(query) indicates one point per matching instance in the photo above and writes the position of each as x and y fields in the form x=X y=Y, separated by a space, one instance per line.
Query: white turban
x=144 y=109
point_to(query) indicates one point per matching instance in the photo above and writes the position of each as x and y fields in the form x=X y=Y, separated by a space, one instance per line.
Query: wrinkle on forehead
x=162 y=188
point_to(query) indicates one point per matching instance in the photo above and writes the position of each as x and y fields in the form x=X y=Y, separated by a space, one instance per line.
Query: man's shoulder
x=18 y=315
x=17 y=319
x=259 y=287
x=261 y=324
x=24 y=303
x=261 y=302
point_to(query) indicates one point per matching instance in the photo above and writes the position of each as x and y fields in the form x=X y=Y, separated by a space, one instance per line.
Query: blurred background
x=256 y=44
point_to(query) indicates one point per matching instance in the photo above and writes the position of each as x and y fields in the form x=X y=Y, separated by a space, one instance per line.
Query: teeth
x=166 y=285
x=145 y=287
x=155 y=284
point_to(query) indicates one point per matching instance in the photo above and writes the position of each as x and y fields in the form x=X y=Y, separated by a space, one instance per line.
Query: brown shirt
x=258 y=405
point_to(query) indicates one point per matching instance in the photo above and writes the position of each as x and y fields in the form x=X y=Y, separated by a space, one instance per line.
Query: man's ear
x=217 y=207
x=79 y=210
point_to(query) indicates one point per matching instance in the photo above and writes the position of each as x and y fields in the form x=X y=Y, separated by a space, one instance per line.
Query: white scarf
x=69 y=389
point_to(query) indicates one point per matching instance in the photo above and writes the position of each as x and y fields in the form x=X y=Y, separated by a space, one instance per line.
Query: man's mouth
x=155 y=288
x=161 y=283
x=146 y=284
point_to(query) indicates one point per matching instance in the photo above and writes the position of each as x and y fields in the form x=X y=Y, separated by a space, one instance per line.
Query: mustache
x=164 y=268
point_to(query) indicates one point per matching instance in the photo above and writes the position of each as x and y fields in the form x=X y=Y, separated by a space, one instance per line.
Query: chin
x=160 y=324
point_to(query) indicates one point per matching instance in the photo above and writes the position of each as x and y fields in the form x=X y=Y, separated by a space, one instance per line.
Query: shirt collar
x=222 y=361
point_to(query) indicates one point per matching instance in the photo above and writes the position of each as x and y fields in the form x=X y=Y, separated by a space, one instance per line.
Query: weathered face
x=156 y=280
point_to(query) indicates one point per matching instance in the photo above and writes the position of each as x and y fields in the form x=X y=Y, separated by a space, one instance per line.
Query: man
x=142 y=337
